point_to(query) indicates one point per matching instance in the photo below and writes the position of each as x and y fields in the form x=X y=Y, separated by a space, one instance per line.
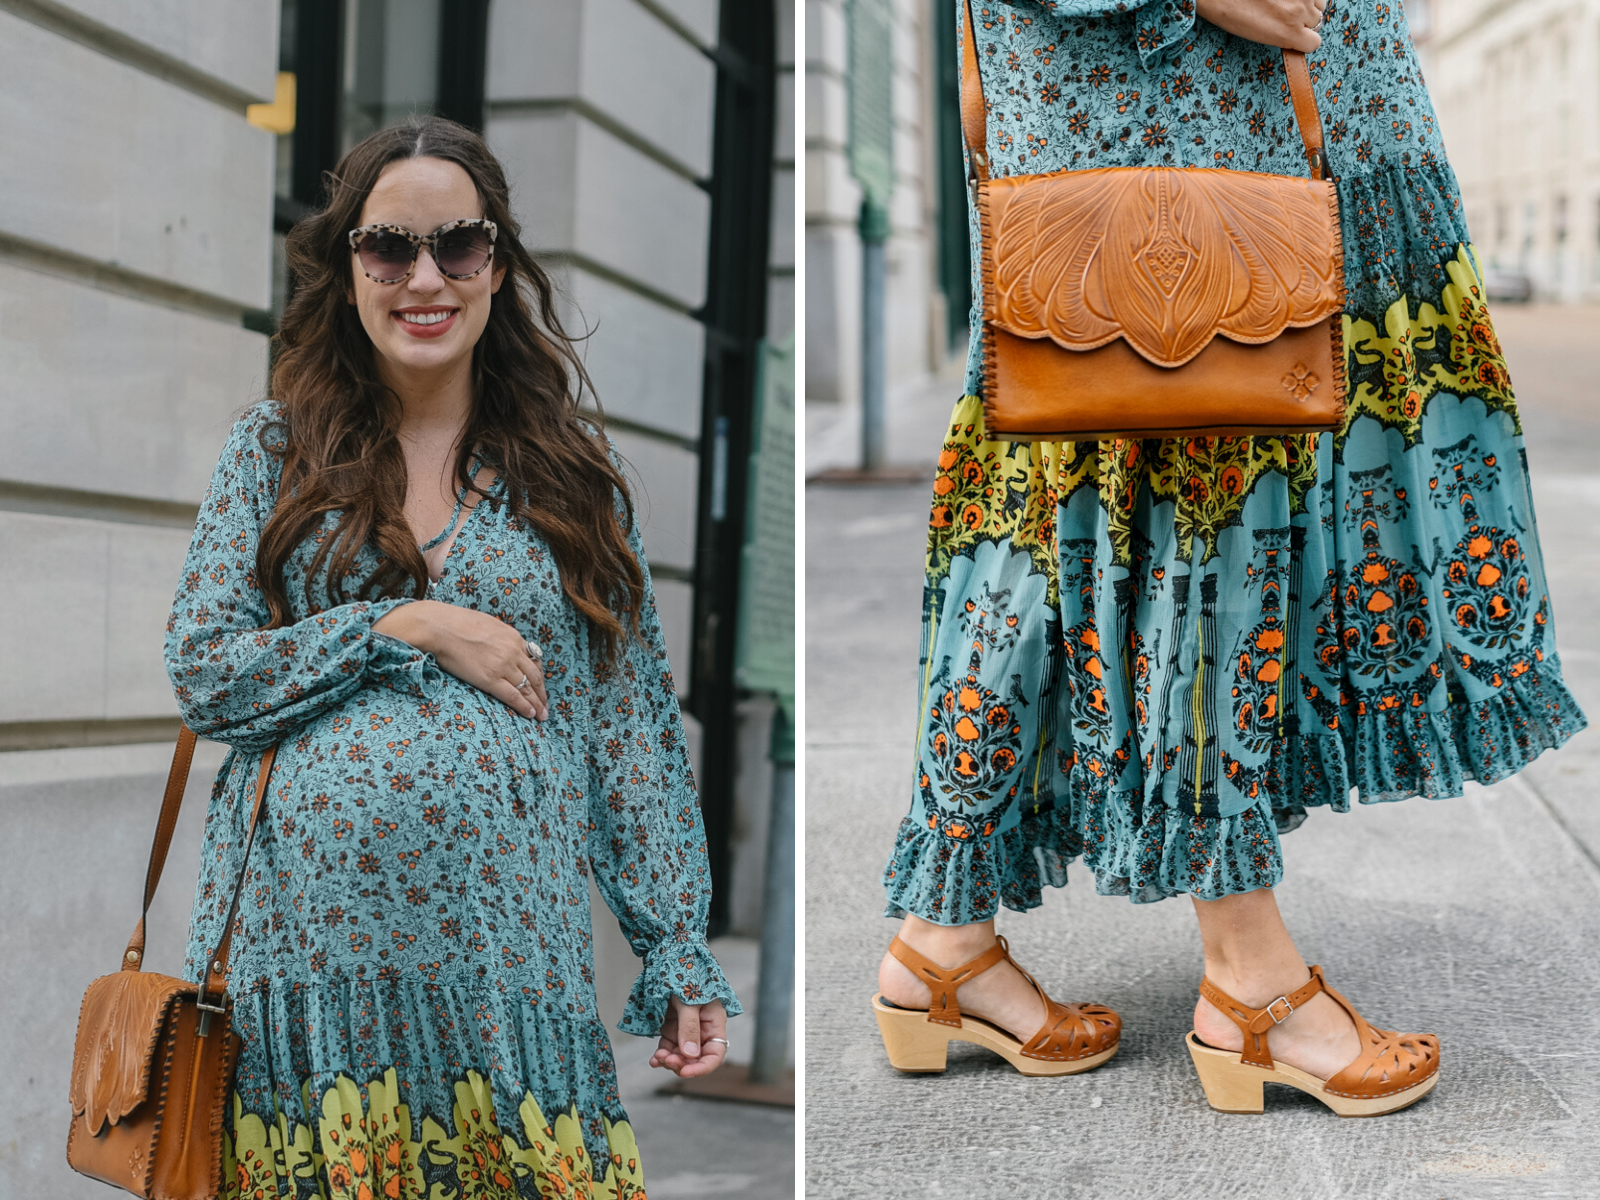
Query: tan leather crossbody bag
x=152 y=1069
x=1158 y=301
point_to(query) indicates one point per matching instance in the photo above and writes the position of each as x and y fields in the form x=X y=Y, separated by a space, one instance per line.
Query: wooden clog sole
x=1233 y=1086
x=917 y=1045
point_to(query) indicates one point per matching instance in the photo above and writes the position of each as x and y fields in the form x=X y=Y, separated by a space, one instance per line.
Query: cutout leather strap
x=974 y=117
x=1389 y=1062
x=943 y=981
x=1256 y=1023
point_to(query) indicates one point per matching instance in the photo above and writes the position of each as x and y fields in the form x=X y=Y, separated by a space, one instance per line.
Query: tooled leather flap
x=1164 y=257
x=118 y=1031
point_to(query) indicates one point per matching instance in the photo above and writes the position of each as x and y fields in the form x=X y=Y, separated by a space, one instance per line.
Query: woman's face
x=404 y=319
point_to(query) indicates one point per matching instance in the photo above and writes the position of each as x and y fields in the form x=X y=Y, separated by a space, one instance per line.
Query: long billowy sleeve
x=235 y=681
x=646 y=844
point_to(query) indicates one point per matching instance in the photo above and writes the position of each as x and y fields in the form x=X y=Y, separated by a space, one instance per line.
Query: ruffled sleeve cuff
x=403 y=668
x=687 y=970
x=1162 y=27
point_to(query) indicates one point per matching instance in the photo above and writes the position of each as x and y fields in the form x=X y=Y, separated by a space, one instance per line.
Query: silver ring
x=724 y=1041
x=524 y=685
x=534 y=652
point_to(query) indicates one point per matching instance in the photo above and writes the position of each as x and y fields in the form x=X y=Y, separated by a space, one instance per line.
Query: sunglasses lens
x=463 y=251
x=385 y=256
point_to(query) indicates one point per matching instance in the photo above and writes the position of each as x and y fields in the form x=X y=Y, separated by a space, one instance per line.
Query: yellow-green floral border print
x=1394 y=373
x=370 y=1150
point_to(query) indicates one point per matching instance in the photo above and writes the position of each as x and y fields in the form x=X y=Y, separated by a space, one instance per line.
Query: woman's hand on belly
x=1290 y=24
x=474 y=647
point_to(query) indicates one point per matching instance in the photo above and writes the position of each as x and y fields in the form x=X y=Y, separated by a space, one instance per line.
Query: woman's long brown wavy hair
x=340 y=440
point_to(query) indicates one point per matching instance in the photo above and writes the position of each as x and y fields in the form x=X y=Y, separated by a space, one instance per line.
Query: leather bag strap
x=1304 y=98
x=974 y=118
x=217 y=976
x=171 y=802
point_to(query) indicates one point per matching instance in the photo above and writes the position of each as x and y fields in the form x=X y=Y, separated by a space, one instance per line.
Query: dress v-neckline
x=458 y=521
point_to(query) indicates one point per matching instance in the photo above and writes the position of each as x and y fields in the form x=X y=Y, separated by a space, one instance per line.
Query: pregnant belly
x=413 y=833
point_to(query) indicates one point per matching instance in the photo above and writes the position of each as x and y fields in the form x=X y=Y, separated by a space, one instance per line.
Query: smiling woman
x=417 y=573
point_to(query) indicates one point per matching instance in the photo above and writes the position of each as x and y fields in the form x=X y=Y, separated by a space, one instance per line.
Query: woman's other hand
x=474 y=647
x=693 y=1038
x=1291 y=24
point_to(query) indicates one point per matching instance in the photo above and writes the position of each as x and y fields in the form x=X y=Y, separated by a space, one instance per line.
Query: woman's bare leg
x=1000 y=995
x=1251 y=957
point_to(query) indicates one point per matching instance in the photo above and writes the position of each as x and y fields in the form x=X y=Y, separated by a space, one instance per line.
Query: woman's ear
x=495 y=281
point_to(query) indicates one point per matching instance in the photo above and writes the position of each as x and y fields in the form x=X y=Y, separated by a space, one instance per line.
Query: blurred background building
x=849 y=46
x=1517 y=87
x=152 y=158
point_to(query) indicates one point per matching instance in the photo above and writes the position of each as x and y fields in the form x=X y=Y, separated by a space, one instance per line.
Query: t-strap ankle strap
x=943 y=981
x=1256 y=1023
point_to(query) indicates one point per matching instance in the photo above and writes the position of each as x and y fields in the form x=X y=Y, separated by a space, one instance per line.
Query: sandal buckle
x=1276 y=1019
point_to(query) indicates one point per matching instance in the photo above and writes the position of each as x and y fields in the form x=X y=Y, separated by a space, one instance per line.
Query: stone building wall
x=135 y=234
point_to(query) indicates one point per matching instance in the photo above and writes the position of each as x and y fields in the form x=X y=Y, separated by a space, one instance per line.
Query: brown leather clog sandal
x=1392 y=1071
x=1073 y=1038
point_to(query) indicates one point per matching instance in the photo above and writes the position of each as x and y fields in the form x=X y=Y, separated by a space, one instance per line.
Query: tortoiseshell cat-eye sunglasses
x=460 y=249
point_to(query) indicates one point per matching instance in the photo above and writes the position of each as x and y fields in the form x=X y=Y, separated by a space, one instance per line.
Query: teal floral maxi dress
x=412 y=970
x=1160 y=654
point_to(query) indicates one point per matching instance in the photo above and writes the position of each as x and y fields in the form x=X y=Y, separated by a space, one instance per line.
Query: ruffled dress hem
x=1147 y=851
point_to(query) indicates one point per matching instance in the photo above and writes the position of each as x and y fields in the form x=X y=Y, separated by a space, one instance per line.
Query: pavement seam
x=1560 y=822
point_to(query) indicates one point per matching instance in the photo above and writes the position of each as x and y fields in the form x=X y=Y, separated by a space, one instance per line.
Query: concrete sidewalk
x=1476 y=918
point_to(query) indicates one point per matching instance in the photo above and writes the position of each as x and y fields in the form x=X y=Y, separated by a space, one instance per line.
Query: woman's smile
x=426 y=321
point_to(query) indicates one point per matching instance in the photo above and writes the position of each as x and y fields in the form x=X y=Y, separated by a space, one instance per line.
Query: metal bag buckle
x=204 y=1024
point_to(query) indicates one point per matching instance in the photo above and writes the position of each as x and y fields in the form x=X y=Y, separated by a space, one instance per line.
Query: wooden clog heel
x=1392 y=1071
x=1073 y=1038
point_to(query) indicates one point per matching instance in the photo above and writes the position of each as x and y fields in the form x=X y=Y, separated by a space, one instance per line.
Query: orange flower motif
x=1269 y=640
